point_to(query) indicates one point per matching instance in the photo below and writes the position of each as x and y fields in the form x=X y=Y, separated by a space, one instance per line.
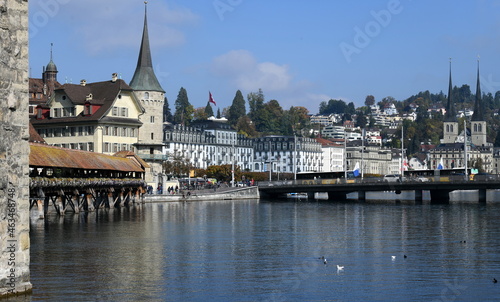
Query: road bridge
x=439 y=187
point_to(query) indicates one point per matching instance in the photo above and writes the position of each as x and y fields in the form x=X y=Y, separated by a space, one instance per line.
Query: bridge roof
x=50 y=156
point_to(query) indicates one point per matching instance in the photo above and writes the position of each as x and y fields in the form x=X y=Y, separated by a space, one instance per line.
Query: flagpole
x=363 y=134
x=402 y=150
x=465 y=149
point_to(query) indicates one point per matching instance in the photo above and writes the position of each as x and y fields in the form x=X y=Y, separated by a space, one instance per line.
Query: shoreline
x=205 y=195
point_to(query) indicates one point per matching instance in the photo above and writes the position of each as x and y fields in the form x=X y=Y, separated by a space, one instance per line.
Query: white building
x=286 y=153
x=207 y=143
x=333 y=155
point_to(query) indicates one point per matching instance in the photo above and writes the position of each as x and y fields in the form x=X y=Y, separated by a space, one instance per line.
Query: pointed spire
x=450 y=115
x=144 y=77
x=478 y=114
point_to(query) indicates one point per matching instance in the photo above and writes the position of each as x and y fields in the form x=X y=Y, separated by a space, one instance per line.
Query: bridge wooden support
x=482 y=196
x=361 y=195
x=440 y=196
x=419 y=196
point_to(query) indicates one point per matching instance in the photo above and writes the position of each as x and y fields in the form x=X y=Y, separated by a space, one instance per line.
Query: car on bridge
x=393 y=178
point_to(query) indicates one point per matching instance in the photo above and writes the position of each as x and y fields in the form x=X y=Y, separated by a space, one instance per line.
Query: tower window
x=146 y=95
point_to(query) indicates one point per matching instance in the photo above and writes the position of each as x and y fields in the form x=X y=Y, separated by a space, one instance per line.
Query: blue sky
x=298 y=52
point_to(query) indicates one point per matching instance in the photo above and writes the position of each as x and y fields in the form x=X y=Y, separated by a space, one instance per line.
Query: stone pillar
x=14 y=149
x=482 y=196
x=361 y=195
x=418 y=196
x=440 y=196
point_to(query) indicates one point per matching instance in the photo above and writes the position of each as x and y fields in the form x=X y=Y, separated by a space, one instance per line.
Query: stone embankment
x=206 y=195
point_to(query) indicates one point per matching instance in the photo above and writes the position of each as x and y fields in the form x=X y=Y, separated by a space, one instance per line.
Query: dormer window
x=39 y=112
x=87 y=110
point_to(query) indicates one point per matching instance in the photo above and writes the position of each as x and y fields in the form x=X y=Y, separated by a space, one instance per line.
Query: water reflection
x=251 y=251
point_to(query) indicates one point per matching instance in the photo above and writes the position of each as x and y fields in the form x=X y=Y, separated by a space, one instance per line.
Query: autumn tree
x=177 y=165
x=200 y=114
x=246 y=127
x=223 y=172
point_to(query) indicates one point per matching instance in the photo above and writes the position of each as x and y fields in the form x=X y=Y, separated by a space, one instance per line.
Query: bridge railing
x=374 y=180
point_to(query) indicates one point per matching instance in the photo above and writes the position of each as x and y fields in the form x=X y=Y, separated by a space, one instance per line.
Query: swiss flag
x=211 y=99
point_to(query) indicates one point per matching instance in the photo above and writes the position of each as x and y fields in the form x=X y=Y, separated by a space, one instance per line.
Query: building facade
x=286 y=154
x=207 y=143
x=100 y=117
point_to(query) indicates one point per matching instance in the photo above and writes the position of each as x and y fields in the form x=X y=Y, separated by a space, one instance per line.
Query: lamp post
x=294 y=156
x=232 y=165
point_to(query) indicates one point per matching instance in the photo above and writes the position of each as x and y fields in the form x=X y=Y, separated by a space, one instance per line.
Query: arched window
x=451 y=128
x=146 y=95
x=480 y=128
x=475 y=127
x=447 y=128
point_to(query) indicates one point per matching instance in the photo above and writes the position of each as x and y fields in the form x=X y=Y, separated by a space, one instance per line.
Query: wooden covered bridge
x=83 y=180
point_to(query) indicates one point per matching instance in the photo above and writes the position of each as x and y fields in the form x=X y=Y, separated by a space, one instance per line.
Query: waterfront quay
x=338 y=189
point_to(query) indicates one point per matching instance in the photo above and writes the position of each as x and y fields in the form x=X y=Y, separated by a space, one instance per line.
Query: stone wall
x=14 y=148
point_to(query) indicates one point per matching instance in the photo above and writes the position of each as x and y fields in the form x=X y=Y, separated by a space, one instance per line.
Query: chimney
x=114 y=77
x=83 y=82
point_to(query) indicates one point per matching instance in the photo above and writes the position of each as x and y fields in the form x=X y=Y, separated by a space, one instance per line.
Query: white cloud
x=105 y=26
x=241 y=67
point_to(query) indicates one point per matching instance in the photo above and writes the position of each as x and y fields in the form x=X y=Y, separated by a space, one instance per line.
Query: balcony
x=147 y=157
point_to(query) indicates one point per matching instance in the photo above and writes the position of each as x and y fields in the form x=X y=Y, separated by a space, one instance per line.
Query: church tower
x=450 y=124
x=151 y=96
x=478 y=123
x=50 y=72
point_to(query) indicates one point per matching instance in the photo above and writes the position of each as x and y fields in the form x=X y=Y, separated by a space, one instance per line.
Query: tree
x=223 y=172
x=351 y=109
x=183 y=109
x=200 y=114
x=246 y=127
x=256 y=105
x=177 y=165
x=167 y=114
x=218 y=113
x=369 y=100
x=271 y=115
x=208 y=110
x=361 y=120
x=237 y=109
x=333 y=106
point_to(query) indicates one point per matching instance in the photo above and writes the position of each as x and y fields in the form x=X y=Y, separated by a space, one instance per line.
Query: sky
x=300 y=53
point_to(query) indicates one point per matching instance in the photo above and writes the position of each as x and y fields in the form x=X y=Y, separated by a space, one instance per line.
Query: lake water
x=269 y=251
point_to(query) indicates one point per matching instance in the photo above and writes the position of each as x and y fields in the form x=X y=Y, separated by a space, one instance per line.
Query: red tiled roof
x=49 y=156
x=132 y=155
x=34 y=136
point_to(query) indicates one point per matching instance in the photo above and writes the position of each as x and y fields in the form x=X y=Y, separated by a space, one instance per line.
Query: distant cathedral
x=451 y=153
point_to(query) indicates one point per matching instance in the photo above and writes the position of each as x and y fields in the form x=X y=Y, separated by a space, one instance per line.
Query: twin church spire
x=478 y=115
x=478 y=123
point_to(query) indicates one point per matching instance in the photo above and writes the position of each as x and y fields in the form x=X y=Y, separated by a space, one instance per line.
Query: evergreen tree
x=208 y=110
x=183 y=109
x=167 y=114
x=218 y=113
x=256 y=104
x=237 y=108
